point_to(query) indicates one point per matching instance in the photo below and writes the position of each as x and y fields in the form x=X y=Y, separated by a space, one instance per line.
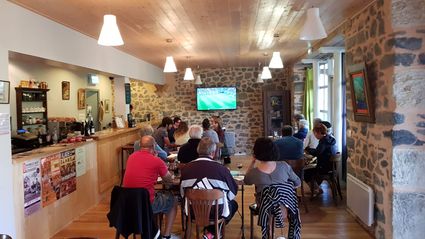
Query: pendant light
x=259 y=79
x=110 y=34
x=188 y=75
x=198 y=80
x=313 y=28
x=276 y=61
x=170 y=65
x=266 y=74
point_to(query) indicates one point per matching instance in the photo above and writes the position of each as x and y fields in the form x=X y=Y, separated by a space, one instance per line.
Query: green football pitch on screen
x=216 y=98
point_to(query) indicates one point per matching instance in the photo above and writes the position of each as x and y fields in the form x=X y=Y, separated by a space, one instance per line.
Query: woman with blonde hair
x=181 y=135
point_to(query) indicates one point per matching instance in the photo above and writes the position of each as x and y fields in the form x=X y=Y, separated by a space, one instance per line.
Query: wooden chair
x=333 y=178
x=200 y=202
x=254 y=210
x=297 y=166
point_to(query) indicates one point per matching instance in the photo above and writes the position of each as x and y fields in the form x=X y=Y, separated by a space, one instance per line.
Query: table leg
x=243 y=214
x=122 y=166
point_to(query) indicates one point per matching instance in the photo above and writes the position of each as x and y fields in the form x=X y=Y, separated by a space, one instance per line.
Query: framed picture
x=361 y=97
x=4 y=92
x=81 y=99
x=107 y=106
x=65 y=90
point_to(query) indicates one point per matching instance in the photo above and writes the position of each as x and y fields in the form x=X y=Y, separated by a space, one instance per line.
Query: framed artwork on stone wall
x=361 y=97
x=65 y=90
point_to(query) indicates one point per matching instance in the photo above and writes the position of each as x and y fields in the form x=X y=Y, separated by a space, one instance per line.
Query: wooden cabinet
x=277 y=111
x=31 y=108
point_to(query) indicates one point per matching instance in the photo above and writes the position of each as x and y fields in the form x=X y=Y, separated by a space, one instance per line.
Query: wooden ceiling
x=214 y=33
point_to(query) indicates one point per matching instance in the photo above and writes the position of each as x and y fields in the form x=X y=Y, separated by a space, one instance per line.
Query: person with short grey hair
x=207 y=147
x=311 y=141
x=206 y=173
x=188 y=151
x=195 y=132
x=302 y=130
x=147 y=130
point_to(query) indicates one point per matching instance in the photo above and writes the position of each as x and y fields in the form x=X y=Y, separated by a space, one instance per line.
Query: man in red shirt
x=142 y=171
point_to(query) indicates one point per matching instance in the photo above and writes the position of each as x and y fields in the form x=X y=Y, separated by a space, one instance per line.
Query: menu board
x=32 y=186
x=68 y=172
x=50 y=178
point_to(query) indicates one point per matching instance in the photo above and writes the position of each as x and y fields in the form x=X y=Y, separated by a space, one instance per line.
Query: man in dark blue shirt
x=290 y=148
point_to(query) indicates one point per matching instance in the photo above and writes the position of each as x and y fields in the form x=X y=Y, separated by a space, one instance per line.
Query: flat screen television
x=216 y=98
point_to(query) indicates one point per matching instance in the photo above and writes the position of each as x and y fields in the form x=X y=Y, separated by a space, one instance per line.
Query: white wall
x=26 y=32
x=7 y=220
x=56 y=107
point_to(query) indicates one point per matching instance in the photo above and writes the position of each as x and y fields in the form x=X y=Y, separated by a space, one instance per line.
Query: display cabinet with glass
x=31 y=109
x=277 y=112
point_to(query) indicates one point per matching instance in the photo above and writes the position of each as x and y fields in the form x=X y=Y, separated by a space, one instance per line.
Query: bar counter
x=101 y=159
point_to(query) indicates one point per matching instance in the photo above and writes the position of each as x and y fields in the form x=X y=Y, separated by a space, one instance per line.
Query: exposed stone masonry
x=178 y=97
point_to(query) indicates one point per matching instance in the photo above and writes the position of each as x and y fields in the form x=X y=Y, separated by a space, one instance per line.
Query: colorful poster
x=68 y=172
x=32 y=186
x=50 y=179
x=80 y=158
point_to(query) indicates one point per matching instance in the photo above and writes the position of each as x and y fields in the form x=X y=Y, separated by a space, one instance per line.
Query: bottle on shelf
x=40 y=138
x=86 y=128
x=92 y=129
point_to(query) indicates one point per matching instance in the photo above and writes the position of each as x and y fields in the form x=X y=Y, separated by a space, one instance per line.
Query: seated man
x=142 y=171
x=145 y=130
x=302 y=129
x=188 y=151
x=289 y=147
x=204 y=172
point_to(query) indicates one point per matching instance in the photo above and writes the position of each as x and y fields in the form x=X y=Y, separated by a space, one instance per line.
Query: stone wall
x=178 y=97
x=369 y=150
x=408 y=135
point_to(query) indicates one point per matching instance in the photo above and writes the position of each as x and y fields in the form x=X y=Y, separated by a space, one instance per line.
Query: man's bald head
x=147 y=142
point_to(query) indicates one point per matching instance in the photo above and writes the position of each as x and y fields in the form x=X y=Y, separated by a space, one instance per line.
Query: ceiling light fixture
x=313 y=28
x=188 y=75
x=198 y=80
x=266 y=74
x=170 y=65
x=110 y=34
x=259 y=79
x=276 y=61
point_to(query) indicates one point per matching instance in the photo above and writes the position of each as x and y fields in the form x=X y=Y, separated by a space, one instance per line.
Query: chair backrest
x=4 y=236
x=297 y=165
x=335 y=159
x=201 y=201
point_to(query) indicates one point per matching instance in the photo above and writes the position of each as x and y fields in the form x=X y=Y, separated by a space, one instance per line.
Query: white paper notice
x=80 y=157
x=4 y=124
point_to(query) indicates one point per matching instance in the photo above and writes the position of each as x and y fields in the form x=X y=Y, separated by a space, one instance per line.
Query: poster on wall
x=32 y=186
x=4 y=123
x=50 y=179
x=68 y=172
x=80 y=158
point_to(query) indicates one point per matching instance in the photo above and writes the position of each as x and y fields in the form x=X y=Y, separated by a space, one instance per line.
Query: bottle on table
x=55 y=136
x=92 y=130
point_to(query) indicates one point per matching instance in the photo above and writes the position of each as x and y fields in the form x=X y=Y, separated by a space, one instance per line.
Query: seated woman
x=324 y=151
x=161 y=134
x=265 y=170
x=181 y=134
x=302 y=129
x=146 y=130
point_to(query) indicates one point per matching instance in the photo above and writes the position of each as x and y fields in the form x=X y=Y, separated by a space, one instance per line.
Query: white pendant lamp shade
x=266 y=74
x=170 y=66
x=276 y=61
x=188 y=75
x=259 y=79
x=313 y=28
x=110 y=34
x=198 y=80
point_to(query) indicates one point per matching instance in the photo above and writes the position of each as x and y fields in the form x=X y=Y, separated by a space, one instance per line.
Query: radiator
x=360 y=199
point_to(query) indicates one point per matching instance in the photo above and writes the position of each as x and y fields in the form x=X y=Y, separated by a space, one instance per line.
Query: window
x=324 y=91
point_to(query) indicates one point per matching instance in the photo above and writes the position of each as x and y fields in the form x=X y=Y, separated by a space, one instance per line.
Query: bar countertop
x=45 y=151
x=56 y=148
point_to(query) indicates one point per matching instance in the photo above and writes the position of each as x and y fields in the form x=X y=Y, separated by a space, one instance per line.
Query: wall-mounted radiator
x=360 y=199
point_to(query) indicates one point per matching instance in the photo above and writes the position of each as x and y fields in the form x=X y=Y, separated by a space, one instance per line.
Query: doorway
x=92 y=106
